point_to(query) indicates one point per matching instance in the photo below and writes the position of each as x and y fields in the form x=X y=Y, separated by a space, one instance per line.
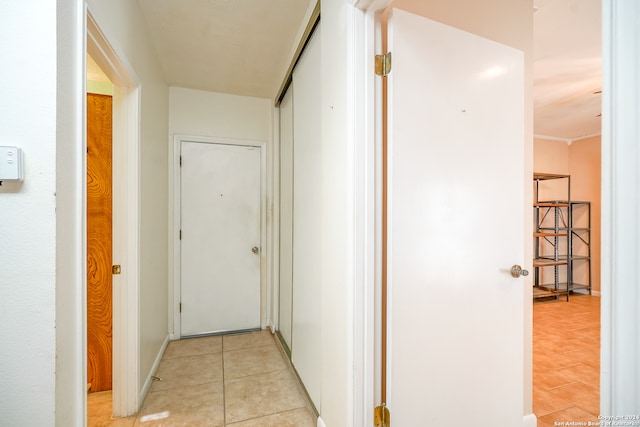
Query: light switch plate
x=11 y=163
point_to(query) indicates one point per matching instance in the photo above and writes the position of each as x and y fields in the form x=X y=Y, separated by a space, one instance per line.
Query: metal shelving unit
x=552 y=241
x=580 y=246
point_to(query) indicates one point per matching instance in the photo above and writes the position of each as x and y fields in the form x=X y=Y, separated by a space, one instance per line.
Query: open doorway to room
x=123 y=266
x=99 y=241
x=567 y=205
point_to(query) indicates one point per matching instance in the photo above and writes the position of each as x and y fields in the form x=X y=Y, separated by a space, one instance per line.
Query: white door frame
x=174 y=240
x=367 y=113
x=620 y=329
x=366 y=90
x=621 y=107
x=126 y=218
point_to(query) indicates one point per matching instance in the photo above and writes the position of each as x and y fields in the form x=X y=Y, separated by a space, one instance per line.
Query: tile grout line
x=224 y=385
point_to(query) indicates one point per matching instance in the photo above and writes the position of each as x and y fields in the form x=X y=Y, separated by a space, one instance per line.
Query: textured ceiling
x=567 y=68
x=229 y=46
x=243 y=47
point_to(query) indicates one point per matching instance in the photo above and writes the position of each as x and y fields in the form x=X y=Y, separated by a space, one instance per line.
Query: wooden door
x=220 y=246
x=455 y=227
x=99 y=242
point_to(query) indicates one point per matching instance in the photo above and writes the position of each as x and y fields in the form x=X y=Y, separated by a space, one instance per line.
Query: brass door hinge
x=381 y=416
x=180 y=307
x=116 y=269
x=180 y=161
x=383 y=64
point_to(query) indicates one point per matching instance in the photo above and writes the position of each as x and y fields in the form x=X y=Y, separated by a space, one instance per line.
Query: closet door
x=286 y=216
x=307 y=237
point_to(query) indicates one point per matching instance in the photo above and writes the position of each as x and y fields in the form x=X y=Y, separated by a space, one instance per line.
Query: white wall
x=123 y=26
x=200 y=113
x=337 y=216
x=27 y=213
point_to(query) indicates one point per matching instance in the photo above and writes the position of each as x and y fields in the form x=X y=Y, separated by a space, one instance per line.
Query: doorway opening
x=125 y=232
x=248 y=156
x=567 y=143
x=99 y=235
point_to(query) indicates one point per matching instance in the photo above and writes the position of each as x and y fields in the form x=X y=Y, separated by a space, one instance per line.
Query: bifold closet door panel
x=286 y=217
x=307 y=221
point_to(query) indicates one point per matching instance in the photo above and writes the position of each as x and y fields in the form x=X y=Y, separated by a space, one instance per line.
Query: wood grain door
x=99 y=238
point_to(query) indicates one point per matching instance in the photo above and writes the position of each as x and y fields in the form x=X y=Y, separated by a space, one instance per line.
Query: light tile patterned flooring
x=566 y=360
x=239 y=380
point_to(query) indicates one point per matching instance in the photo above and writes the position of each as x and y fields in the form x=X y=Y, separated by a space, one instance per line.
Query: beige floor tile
x=100 y=410
x=252 y=361
x=260 y=395
x=198 y=405
x=544 y=402
x=586 y=374
x=581 y=395
x=548 y=379
x=300 y=417
x=247 y=340
x=193 y=347
x=588 y=356
x=188 y=370
x=566 y=349
x=554 y=359
x=573 y=413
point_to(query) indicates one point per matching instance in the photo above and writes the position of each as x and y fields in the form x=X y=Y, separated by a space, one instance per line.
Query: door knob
x=255 y=249
x=517 y=271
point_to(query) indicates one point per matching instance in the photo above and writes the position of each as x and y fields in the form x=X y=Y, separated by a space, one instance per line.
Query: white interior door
x=220 y=246
x=455 y=182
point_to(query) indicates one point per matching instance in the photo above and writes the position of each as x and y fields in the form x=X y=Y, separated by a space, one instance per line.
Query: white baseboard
x=154 y=369
x=586 y=292
x=321 y=423
x=529 y=421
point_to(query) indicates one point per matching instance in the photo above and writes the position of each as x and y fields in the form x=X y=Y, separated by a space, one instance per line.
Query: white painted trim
x=154 y=368
x=274 y=288
x=620 y=317
x=174 y=240
x=529 y=421
x=366 y=103
x=321 y=423
x=70 y=241
x=553 y=138
x=569 y=141
x=583 y=137
x=173 y=304
x=126 y=217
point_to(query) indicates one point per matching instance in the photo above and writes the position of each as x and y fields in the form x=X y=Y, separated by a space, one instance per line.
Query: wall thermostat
x=11 y=164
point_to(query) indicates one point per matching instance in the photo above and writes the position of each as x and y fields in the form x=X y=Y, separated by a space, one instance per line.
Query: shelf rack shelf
x=580 y=246
x=562 y=237
x=552 y=231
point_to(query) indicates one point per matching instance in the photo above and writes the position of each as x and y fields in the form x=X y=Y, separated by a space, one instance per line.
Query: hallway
x=241 y=380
